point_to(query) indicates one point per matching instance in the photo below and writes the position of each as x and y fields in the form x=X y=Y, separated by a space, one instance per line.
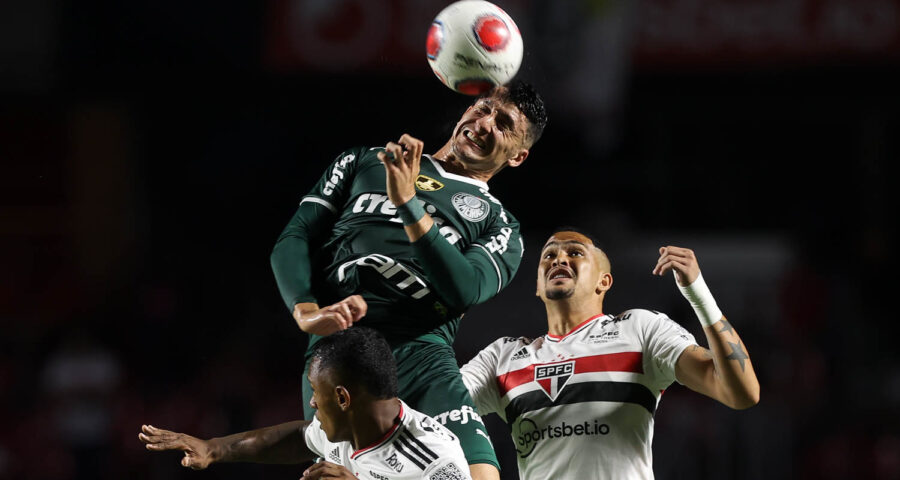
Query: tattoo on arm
x=737 y=353
x=697 y=348
x=726 y=327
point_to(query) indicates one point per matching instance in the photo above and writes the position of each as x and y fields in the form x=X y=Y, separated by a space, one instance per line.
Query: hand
x=402 y=170
x=197 y=453
x=326 y=470
x=330 y=319
x=680 y=260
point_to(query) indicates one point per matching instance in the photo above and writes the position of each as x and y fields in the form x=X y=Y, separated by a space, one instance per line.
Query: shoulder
x=507 y=344
x=653 y=324
x=365 y=154
x=640 y=315
x=357 y=154
x=498 y=211
x=432 y=434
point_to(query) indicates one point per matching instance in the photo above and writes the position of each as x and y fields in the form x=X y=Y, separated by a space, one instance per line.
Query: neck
x=374 y=422
x=453 y=165
x=566 y=314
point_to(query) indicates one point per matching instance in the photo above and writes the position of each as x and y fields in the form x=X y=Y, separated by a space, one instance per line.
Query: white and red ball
x=473 y=45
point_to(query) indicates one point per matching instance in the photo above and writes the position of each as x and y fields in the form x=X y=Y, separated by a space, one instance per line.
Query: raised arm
x=462 y=278
x=291 y=258
x=724 y=371
x=283 y=443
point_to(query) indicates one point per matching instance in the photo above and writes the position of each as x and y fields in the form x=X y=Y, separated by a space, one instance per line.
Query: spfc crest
x=470 y=207
x=553 y=377
x=428 y=184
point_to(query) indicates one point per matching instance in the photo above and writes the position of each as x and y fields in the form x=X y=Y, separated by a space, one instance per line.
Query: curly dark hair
x=524 y=96
x=359 y=357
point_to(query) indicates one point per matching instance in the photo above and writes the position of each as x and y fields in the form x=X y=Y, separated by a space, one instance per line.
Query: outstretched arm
x=283 y=443
x=724 y=372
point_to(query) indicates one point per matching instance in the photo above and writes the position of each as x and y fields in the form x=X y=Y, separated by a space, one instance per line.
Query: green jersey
x=346 y=238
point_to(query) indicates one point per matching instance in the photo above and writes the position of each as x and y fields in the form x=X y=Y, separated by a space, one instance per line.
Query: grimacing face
x=324 y=400
x=489 y=134
x=570 y=265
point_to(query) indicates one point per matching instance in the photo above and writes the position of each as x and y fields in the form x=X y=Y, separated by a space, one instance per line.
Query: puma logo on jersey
x=428 y=184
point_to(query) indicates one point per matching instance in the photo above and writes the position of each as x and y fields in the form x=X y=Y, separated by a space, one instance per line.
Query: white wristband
x=699 y=296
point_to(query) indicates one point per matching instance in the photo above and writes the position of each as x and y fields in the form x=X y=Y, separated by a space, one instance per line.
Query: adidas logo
x=523 y=353
x=335 y=455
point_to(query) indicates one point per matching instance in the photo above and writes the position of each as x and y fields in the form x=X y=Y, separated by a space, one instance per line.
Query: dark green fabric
x=346 y=238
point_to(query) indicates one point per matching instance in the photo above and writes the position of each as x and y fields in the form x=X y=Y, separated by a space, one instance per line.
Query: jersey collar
x=581 y=326
x=459 y=178
x=387 y=436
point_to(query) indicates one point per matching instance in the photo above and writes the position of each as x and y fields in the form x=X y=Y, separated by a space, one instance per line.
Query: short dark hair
x=524 y=96
x=359 y=356
x=592 y=238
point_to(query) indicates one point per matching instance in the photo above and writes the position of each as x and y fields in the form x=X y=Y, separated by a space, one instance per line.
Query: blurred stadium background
x=152 y=151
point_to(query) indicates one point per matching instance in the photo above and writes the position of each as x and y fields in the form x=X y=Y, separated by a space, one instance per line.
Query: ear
x=604 y=284
x=518 y=159
x=343 y=397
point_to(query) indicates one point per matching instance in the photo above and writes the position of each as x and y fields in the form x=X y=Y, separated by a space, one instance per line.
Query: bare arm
x=327 y=320
x=723 y=372
x=283 y=443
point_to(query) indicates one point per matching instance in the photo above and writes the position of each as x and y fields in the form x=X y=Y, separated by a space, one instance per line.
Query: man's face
x=326 y=403
x=571 y=266
x=490 y=134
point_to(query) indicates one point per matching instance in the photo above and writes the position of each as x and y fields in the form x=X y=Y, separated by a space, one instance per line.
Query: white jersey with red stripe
x=581 y=405
x=417 y=447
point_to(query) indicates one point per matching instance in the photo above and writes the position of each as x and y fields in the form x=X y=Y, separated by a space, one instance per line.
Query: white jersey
x=581 y=405
x=417 y=447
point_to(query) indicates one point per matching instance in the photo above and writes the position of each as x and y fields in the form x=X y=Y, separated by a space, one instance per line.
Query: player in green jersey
x=410 y=243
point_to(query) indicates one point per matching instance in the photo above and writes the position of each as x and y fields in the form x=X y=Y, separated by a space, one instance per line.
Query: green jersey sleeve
x=476 y=274
x=309 y=227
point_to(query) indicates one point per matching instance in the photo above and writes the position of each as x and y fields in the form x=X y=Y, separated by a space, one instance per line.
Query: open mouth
x=560 y=273
x=471 y=137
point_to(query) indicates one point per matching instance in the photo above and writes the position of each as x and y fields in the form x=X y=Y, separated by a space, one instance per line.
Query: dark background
x=152 y=151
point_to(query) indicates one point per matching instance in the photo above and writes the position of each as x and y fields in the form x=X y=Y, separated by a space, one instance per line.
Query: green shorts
x=430 y=382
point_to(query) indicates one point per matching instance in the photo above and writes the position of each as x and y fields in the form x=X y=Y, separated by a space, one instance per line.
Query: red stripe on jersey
x=610 y=362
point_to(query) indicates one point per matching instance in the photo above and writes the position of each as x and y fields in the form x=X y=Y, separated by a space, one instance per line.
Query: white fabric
x=581 y=406
x=418 y=448
x=702 y=301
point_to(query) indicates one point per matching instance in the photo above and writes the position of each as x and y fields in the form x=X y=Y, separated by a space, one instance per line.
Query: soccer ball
x=473 y=45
